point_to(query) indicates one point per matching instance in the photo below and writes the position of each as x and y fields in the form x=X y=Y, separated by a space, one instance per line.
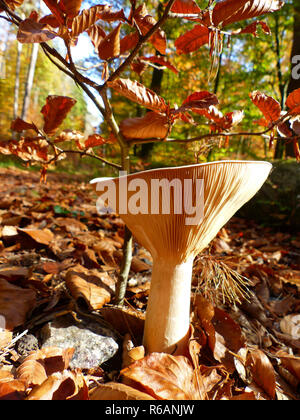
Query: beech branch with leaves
x=118 y=52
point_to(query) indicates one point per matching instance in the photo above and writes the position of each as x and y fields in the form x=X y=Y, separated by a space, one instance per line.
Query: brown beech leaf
x=161 y=61
x=199 y=100
x=290 y=324
x=152 y=125
x=32 y=371
x=163 y=376
x=124 y=319
x=252 y=29
x=5 y=338
x=128 y=42
x=14 y=273
x=13 y=4
x=61 y=386
x=293 y=102
x=131 y=354
x=70 y=7
x=53 y=6
x=262 y=371
x=138 y=93
x=36 y=367
x=244 y=396
x=192 y=40
x=270 y=108
x=115 y=391
x=94 y=140
x=138 y=66
x=20 y=125
x=222 y=122
x=291 y=363
x=15 y=303
x=230 y=11
x=109 y=16
x=145 y=23
x=86 y=19
x=40 y=236
x=110 y=46
x=12 y=390
x=33 y=32
x=231 y=119
x=224 y=335
x=50 y=20
x=212 y=113
x=94 y=287
x=185 y=7
x=55 y=111
x=97 y=35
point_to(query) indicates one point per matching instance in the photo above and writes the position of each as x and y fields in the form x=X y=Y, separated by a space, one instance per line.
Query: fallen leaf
x=36 y=367
x=12 y=391
x=163 y=376
x=60 y=386
x=15 y=303
x=290 y=324
x=290 y=362
x=42 y=237
x=14 y=273
x=125 y=320
x=262 y=371
x=94 y=287
x=115 y=391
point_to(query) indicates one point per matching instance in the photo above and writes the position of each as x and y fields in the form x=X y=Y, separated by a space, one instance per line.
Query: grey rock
x=93 y=343
x=27 y=344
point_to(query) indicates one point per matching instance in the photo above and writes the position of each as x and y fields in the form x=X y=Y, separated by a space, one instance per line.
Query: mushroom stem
x=168 y=310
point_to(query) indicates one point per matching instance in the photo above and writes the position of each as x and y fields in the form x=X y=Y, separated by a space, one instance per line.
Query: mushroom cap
x=225 y=187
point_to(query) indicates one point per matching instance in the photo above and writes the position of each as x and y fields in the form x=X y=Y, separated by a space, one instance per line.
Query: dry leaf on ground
x=15 y=303
x=115 y=391
x=61 y=386
x=163 y=376
x=94 y=287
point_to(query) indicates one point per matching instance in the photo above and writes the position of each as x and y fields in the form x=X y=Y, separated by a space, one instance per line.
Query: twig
x=83 y=153
x=133 y=142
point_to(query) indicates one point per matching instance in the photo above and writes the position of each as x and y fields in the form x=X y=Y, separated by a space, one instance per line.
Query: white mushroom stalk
x=175 y=213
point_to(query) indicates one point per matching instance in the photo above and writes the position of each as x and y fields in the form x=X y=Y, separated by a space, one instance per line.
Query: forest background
x=267 y=62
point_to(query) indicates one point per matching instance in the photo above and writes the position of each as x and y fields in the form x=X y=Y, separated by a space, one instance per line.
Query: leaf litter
x=58 y=257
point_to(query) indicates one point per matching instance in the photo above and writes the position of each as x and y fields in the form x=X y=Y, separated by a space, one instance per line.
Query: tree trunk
x=17 y=80
x=29 y=81
x=3 y=47
x=279 y=150
x=295 y=68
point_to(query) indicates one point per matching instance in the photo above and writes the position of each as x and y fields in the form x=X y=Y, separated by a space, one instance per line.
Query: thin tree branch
x=83 y=153
x=133 y=142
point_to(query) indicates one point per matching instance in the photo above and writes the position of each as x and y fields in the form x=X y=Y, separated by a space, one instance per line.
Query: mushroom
x=174 y=213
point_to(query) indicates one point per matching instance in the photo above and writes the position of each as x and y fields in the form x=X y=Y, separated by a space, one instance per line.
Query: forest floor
x=58 y=257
